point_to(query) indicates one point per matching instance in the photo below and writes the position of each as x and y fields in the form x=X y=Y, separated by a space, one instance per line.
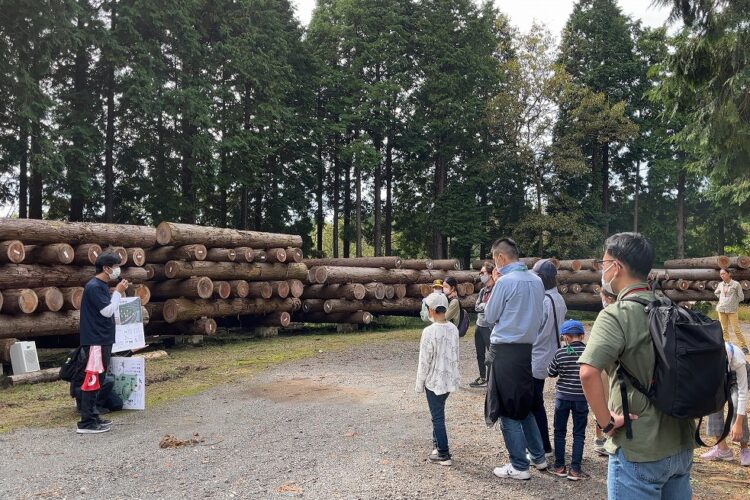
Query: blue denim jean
x=437 y=410
x=520 y=435
x=665 y=479
x=580 y=412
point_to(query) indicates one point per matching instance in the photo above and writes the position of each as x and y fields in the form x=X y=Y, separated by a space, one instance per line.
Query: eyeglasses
x=602 y=261
x=483 y=273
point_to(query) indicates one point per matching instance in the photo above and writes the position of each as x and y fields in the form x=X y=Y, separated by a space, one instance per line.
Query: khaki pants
x=733 y=320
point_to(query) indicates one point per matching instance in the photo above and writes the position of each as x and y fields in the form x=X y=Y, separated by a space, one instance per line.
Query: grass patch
x=187 y=371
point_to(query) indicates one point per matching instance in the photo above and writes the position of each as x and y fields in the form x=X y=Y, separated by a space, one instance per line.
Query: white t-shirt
x=438 y=359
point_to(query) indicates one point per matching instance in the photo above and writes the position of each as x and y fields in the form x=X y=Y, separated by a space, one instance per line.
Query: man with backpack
x=656 y=462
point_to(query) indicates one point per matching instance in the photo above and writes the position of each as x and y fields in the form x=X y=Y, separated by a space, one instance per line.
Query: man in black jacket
x=98 y=311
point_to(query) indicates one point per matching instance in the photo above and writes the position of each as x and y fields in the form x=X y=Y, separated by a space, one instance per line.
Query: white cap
x=435 y=300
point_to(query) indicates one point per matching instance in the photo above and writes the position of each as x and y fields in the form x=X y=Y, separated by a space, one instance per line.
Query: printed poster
x=130 y=381
x=129 y=326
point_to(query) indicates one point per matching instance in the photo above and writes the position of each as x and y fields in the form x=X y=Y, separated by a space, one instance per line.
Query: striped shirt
x=565 y=365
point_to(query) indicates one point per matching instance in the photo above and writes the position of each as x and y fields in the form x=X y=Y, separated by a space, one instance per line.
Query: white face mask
x=115 y=273
x=607 y=285
x=484 y=278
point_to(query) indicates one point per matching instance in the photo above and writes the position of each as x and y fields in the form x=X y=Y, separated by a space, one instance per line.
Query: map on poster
x=130 y=381
x=129 y=325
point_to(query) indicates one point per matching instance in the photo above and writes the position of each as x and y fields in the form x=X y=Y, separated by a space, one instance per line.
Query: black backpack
x=74 y=365
x=463 y=322
x=691 y=375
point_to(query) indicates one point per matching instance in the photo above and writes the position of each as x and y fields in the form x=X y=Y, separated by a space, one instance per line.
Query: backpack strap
x=554 y=315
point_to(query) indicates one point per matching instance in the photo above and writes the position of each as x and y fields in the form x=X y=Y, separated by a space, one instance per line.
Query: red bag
x=94 y=367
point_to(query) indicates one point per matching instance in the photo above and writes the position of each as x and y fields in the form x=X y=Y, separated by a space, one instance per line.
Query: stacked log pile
x=45 y=264
x=353 y=290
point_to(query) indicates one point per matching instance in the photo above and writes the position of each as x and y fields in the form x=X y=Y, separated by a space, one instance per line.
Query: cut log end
x=22 y=301
x=222 y=289
x=12 y=252
x=136 y=257
x=163 y=234
x=50 y=299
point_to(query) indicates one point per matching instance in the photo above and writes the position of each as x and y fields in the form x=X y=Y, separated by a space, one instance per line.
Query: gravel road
x=339 y=425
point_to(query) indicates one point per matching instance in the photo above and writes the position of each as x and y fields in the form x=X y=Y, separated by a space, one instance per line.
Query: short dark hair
x=450 y=280
x=633 y=250
x=489 y=266
x=505 y=246
x=548 y=281
x=440 y=310
x=726 y=271
x=107 y=259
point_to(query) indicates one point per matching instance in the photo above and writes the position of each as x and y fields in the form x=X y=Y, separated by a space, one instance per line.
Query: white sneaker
x=508 y=471
x=540 y=466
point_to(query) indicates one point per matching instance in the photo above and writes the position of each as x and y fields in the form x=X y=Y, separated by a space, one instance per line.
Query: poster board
x=130 y=381
x=129 y=325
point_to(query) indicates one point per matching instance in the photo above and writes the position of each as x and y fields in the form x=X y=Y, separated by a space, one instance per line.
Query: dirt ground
x=336 y=424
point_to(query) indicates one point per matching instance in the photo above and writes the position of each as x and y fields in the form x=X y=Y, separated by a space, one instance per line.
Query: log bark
x=445 y=264
x=280 y=289
x=278 y=318
x=220 y=255
x=244 y=254
x=700 y=274
x=580 y=277
x=478 y=264
x=56 y=253
x=50 y=299
x=296 y=288
x=355 y=318
x=37 y=377
x=711 y=285
x=675 y=285
x=260 y=290
x=222 y=289
x=354 y=291
x=697 y=285
x=419 y=290
x=312 y=305
x=384 y=262
x=72 y=297
x=231 y=270
x=717 y=262
x=156 y=272
x=570 y=265
x=741 y=262
x=155 y=311
x=136 y=257
x=239 y=288
x=276 y=255
x=5 y=345
x=416 y=264
x=86 y=254
x=32 y=276
x=374 y=291
x=573 y=300
x=170 y=233
x=338 y=275
x=44 y=324
x=198 y=287
x=20 y=301
x=40 y=232
x=690 y=295
x=259 y=256
x=407 y=304
x=592 y=288
x=185 y=309
x=530 y=261
x=468 y=302
x=200 y=326
x=590 y=265
x=12 y=252
x=294 y=254
x=162 y=255
x=574 y=288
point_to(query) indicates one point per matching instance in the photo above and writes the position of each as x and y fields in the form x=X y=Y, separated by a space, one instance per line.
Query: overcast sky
x=553 y=13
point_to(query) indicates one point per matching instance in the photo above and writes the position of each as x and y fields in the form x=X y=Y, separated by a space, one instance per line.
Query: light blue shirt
x=515 y=306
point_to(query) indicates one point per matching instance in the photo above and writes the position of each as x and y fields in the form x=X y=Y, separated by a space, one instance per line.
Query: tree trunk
x=33 y=231
x=358 y=246
x=605 y=186
x=56 y=253
x=201 y=288
x=19 y=301
x=334 y=275
x=539 y=210
x=259 y=290
x=296 y=288
x=377 y=185
x=681 y=215
x=23 y=174
x=77 y=163
x=374 y=291
x=355 y=318
x=12 y=252
x=280 y=289
x=162 y=255
x=439 y=250
x=109 y=146
x=389 y=198
x=36 y=186
x=319 y=219
x=347 y=211
x=352 y=291
x=721 y=243
x=184 y=309
x=336 y=201
x=30 y=276
x=222 y=289
x=170 y=233
x=72 y=298
x=220 y=255
x=42 y=325
x=385 y=262
x=50 y=299
x=233 y=271
x=718 y=262
x=636 y=200
x=239 y=288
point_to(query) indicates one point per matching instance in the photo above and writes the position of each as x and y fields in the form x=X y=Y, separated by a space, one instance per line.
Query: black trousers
x=482 y=343
x=89 y=399
x=540 y=414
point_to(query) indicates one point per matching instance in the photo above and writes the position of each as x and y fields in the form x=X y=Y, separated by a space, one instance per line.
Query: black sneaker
x=103 y=422
x=744 y=349
x=441 y=459
x=101 y=410
x=94 y=429
x=479 y=382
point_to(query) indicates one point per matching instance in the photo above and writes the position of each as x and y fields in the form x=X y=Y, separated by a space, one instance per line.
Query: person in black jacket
x=97 y=328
